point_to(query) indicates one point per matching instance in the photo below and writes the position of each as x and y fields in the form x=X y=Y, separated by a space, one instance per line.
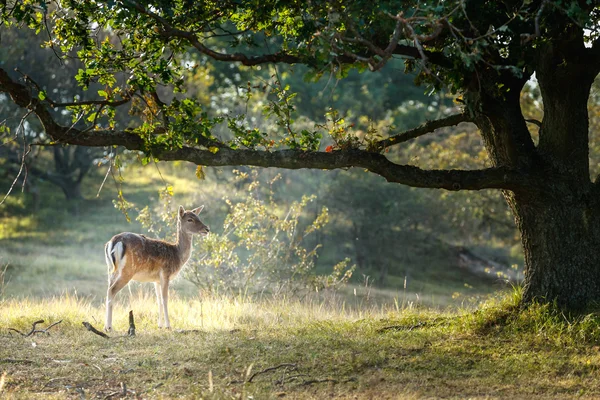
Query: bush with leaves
x=262 y=248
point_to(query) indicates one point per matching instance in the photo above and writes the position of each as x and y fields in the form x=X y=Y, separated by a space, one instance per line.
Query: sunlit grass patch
x=322 y=348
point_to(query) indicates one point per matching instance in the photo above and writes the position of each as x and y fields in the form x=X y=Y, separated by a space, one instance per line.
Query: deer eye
x=190 y=220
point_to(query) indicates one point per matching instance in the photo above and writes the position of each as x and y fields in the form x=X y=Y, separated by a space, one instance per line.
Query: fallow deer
x=134 y=256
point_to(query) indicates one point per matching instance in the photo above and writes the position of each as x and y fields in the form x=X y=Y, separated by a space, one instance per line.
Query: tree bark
x=561 y=243
x=558 y=216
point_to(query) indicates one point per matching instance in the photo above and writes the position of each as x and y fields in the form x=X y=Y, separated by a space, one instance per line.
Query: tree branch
x=111 y=103
x=169 y=31
x=423 y=129
x=498 y=178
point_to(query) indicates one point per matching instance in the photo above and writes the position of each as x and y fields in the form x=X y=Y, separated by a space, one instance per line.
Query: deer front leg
x=158 y=291
x=164 y=285
x=116 y=283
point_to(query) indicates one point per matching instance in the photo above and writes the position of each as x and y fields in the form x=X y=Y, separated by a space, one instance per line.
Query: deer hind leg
x=159 y=301
x=118 y=282
x=117 y=278
x=164 y=285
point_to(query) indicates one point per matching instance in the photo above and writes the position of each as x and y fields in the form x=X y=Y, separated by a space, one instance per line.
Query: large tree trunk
x=561 y=242
x=560 y=220
x=559 y=215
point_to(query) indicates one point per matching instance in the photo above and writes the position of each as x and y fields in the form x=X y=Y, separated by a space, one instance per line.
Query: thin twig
x=25 y=153
x=292 y=367
x=105 y=176
x=46 y=330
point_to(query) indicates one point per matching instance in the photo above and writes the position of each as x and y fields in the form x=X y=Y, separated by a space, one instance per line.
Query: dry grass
x=320 y=350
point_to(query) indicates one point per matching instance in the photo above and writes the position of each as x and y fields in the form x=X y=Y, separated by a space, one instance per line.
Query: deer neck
x=184 y=245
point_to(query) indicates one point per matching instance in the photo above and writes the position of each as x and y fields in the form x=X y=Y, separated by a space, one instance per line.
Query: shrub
x=262 y=248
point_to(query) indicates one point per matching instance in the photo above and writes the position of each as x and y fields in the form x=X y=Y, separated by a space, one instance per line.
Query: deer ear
x=181 y=211
x=198 y=210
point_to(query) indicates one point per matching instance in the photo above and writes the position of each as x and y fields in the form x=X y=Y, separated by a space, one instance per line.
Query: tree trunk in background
x=70 y=188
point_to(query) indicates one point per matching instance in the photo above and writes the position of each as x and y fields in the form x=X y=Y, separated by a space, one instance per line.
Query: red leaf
x=329 y=149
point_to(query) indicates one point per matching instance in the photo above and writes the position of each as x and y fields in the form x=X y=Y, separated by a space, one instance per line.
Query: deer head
x=190 y=223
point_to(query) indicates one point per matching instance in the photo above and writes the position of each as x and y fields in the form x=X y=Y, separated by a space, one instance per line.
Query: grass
x=321 y=349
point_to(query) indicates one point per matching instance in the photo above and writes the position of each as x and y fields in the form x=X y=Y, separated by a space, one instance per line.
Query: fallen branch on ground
x=130 y=332
x=293 y=367
x=33 y=331
x=91 y=328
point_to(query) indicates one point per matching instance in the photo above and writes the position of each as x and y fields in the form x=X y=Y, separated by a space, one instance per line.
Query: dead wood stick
x=51 y=325
x=254 y=375
x=90 y=328
x=31 y=332
x=131 y=331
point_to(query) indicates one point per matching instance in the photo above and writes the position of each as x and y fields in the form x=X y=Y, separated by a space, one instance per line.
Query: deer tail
x=113 y=253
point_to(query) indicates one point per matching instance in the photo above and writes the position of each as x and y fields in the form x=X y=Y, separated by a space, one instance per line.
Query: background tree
x=62 y=165
x=485 y=52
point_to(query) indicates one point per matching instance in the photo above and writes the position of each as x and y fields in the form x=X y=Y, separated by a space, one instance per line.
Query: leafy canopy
x=139 y=53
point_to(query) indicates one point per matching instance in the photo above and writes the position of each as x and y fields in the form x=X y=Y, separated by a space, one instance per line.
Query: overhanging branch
x=423 y=129
x=490 y=178
x=493 y=178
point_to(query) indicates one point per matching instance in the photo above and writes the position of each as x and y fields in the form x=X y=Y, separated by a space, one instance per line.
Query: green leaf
x=42 y=95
